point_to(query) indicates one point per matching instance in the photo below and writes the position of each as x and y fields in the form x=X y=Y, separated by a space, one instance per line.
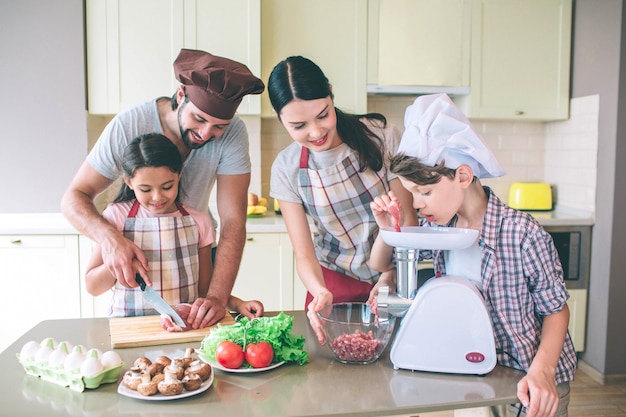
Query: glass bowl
x=354 y=334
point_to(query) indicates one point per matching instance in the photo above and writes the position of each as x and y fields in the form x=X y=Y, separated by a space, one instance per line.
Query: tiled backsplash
x=563 y=154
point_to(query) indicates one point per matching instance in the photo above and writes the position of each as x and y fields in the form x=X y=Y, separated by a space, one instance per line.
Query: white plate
x=127 y=392
x=416 y=237
x=240 y=370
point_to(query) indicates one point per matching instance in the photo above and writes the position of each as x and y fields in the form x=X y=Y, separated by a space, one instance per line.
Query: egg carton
x=70 y=378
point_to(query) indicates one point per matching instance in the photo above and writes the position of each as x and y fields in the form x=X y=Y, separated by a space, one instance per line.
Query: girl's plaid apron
x=338 y=199
x=171 y=245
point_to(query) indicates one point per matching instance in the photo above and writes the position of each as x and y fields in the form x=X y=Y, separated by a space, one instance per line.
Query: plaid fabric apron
x=338 y=199
x=170 y=244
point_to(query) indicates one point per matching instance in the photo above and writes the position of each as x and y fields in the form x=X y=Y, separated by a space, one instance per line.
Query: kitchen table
x=322 y=387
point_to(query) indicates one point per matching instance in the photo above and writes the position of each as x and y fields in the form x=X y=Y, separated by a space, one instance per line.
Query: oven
x=573 y=243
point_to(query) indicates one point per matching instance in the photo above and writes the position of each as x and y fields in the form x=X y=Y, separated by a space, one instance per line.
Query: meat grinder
x=445 y=325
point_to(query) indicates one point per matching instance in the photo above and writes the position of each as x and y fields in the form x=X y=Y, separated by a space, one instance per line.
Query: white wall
x=42 y=111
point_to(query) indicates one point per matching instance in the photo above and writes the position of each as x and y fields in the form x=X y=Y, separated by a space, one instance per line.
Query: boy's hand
x=387 y=211
x=537 y=392
x=387 y=278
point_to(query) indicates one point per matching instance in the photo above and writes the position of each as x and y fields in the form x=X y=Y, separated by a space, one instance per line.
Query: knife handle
x=141 y=282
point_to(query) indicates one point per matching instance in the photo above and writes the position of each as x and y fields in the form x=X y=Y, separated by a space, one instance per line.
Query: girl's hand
x=322 y=299
x=250 y=309
x=387 y=210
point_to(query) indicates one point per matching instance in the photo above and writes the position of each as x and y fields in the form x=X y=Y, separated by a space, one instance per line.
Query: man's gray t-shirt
x=227 y=155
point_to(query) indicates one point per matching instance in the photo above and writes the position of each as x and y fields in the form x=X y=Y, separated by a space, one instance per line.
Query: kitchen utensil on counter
x=530 y=196
x=445 y=324
x=159 y=303
x=354 y=333
x=128 y=332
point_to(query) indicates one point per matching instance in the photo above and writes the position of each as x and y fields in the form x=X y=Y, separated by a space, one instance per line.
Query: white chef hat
x=436 y=130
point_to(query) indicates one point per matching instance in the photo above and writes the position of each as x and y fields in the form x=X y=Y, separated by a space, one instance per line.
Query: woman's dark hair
x=297 y=77
x=149 y=150
x=413 y=170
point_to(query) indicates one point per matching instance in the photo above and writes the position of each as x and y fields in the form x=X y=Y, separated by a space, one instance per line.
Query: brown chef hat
x=214 y=84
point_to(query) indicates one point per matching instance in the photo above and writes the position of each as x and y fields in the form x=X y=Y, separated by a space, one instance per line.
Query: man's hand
x=124 y=259
x=206 y=312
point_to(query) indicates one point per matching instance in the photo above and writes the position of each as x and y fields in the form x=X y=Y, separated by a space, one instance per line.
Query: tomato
x=259 y=355
x=229 y=355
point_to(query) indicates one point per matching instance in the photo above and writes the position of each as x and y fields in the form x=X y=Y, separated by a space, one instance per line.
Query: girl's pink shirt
x=117 y=213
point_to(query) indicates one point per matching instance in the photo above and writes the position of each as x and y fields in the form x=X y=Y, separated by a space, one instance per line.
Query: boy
x=440 y=160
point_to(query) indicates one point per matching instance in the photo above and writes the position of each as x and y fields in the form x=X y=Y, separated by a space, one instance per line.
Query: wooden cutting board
x=147 y=331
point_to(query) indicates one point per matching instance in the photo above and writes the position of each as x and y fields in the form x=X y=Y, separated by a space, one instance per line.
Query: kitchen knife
x=158 y=302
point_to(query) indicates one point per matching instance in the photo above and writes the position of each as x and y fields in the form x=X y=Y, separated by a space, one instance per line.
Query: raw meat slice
x=168 y=324
x=395 y=214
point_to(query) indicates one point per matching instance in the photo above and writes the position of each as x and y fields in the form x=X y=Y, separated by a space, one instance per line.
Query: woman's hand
x=322 y=299
x=387 y=210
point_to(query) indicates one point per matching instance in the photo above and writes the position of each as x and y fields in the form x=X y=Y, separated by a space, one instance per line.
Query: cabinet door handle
x=249 y=238
x=519 y=113
x=16 y=241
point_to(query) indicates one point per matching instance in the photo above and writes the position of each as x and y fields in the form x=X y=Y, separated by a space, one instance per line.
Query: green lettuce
x=276 y=330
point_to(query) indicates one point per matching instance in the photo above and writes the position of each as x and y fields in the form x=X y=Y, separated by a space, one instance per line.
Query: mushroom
x=155 y=368
x=163 y=360
x=200 y=368
x=188 y=358
x=170 y=385
x=177 y=367
x=132 y=378
x=142 y=363
x=192 y=382
x=147 y=386
x=158 y=378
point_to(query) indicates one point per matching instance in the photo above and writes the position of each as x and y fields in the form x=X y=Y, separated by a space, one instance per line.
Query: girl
x=332 y=171
x=177 y=240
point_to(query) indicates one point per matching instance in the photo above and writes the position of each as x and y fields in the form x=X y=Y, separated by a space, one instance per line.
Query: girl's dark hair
x=413 y=170
x=297 y=77
x=149 y=150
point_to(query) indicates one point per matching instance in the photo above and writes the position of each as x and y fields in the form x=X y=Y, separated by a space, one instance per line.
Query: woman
x=336 y=166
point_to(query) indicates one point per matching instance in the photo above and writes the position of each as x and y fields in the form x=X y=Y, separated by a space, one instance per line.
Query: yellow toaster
x=530 y=196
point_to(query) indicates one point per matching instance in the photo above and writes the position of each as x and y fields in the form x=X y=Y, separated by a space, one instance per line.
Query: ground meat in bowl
x=356 y=347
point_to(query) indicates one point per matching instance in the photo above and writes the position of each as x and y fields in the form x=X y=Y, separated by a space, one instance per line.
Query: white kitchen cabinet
x=416 y=44
x=40 y=278
x=577 y=304
x=520 y=60
x=131 y=46
x=331 y=33
x=90 y=306
x=267 y=273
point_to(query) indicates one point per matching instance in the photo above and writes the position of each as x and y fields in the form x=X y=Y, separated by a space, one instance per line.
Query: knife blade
x=158 y=302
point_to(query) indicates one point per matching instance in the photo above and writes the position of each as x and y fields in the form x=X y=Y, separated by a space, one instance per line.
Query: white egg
x=57 y=357
x=90 y=367
x=93 y=353
x=29 y=350
x=42 y=354
x=65 y=345
x=110 y=359
x=73 y=360
x=50 y=342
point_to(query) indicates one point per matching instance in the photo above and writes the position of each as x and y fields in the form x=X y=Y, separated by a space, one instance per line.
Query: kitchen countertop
x=322 y=387
x=56 y=223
